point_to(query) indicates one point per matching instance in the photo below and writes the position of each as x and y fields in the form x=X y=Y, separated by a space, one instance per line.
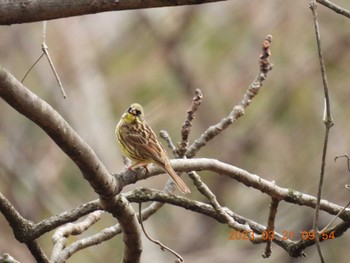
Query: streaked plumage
x=138 y=142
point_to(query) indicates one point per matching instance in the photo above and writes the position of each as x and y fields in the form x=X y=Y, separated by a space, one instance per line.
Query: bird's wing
x=143 y=138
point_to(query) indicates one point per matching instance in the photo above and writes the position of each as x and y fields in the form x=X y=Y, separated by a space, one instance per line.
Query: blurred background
x=158 y=58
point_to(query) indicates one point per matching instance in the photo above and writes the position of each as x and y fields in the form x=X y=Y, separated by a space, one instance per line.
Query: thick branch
x=40 y=112
x=19 y=11
x=121 y=209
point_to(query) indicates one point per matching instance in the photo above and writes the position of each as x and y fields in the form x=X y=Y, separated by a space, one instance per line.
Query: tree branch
x=62 y=233
x=40 y=112
x=238 y=110
x=336 y=8
x=18 y=11
x=251 y=180
x=120 y=208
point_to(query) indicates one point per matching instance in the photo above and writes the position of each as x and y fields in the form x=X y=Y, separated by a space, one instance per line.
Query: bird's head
x=134 y=113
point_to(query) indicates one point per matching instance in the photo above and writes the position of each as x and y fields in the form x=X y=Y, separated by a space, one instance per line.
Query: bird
x=137 y=141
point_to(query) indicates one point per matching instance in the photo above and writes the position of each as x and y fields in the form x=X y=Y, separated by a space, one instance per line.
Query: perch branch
x=242 y=176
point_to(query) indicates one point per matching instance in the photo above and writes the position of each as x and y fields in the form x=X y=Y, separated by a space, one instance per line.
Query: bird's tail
x=178 y=181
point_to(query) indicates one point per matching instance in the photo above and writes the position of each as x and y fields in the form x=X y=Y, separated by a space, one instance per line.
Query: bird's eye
x=138 y=112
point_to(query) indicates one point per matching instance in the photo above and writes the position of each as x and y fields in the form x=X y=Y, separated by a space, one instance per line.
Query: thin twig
x=157 y=242
x=165 y=135
x=222 y=213
x=186 y=127
x=244 y=224
x=335 y=217
x=327 y=119
x=32 y=67
x=347 y=160
x=45 y=49
x=271 y=226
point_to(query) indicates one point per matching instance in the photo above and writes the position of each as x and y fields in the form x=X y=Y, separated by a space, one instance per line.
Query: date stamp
x=270 y=235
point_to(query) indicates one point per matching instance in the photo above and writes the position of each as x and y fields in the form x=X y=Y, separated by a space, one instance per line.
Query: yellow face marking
x=134 y=113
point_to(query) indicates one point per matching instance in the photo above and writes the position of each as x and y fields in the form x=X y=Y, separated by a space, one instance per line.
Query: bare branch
x=334 y=218
x=45 y=50
x=120 y=208
x=347 y=160
x=20 y=226
x=338 y=9
x=31 y=67
x=271 y=226
x=144 y=195
x=251 y=180
x=238 y=110
x=40 y=112
x=62 y=233
x=106 y=233
x=327 y=119
x=204 y=189
x=157 y=242
x=7 y=258
x=186 y=127
x=37 y=252
x=165 y=135
x=27 y=103
x=51 y=223
x=25 y=231
x=17 y=11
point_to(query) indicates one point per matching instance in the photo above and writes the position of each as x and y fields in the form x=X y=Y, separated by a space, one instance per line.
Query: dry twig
x=327 y=119
x=186 y=127
x=45 y=50
x=157 y=242
x=271 y=226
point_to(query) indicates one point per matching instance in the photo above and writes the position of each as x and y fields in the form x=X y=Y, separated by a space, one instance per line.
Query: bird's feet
x=137 y=165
